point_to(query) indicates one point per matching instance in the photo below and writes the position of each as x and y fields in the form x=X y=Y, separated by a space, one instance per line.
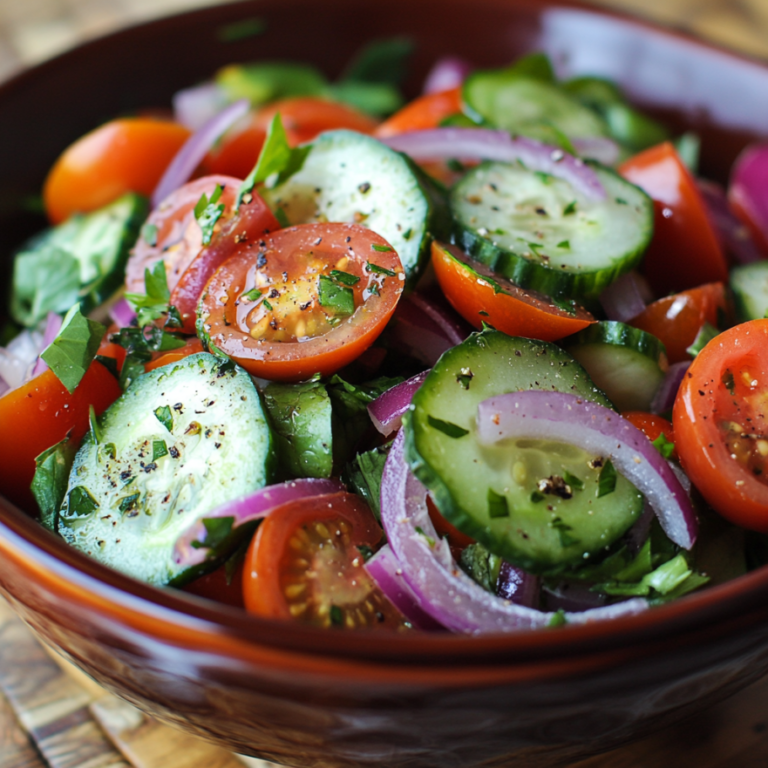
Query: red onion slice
x=387 y=410
x=18 y=359
x=605 y=151
x=748 y=190
x=665 y=395
x=443 y=590
x=386 y=572
x=253 y=507
x=122 y=313
x=487 y=144
x=195 y=148
x=193 y=107
x=448 y=72
x=600 y=431
x=518 y=586
x=623 y=299
x=52 y=327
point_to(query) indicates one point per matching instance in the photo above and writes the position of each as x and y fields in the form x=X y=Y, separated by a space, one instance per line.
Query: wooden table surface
x=52 y=716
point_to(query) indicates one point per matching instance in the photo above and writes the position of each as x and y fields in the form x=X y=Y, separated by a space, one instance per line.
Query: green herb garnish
x=498 y=506
x=451 y=430
x=339 y=299
x=607 y=481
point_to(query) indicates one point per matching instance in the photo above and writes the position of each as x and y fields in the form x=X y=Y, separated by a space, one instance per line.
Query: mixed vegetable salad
x=490 y=360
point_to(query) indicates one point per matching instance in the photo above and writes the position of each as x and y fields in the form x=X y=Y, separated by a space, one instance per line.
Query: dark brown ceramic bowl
x=312 y=698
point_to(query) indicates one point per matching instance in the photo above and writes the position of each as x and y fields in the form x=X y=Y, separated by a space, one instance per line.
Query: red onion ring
x=623 y=299
x=52 y=327
x=443 y=590
x=253 y=507
x=195 y=148
x=599 y=430
x=387 y=410
x=122 y=314
x=518 y=586
x=748 y=191
x=193 y=107
x=605 y=151
x=487 y=144
x=18 y=359
x=448 y=72
x=665 y=395
x=384 y=569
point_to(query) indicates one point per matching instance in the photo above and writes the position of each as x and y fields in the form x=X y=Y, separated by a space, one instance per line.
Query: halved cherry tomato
x=303 y=118
x=220 y=585
x=427 y=111
x=172 y=234
x=652 y=425
x=478 y=294
x=677 y=319
x=305 y=564
x=252 y=221
x=110 y=349
x=720 y=420
x=192 y=347
x=40 y=414
x=307 y=299
x=125 y=155
x=685 y=251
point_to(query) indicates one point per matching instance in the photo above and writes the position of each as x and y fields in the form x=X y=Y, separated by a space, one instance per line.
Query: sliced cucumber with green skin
x=542 y=234
x=511 y=101
x=182 y=440
x=626 y=363
x=300 y=415
x=352 y=178
x=749 y=284
x=533 y=502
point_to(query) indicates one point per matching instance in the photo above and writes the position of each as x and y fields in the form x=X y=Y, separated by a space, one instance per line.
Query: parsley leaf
x=49 y=485
x=208 y=211
x=337 y=298
x=498 y=506
x=665 y=447
x=451 y=430
x=607 y=481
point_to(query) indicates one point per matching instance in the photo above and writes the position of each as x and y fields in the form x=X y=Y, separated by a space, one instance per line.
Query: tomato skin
x=652 y=425
x=252 y=221
x=281 y=260
x=425 y=112
x=125 y=155
x=192 y=347
x=676 y=320
x=685 y=251
x=178 y=235
x=514 y=311
x=703 y=404
x=215 y=586
x=304 y=559
x=38 y=415
x=303 y=117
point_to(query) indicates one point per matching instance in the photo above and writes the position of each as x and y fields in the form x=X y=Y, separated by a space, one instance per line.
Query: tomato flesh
x=720 y=420
x=268 y=306
x=305 y=564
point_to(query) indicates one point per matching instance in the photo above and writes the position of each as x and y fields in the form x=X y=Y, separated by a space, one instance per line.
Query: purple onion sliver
x=602 y=432
x=636 y=536
x=665 y=395
x=195 y=148
x=253 y=507
x=518 y=586
x=605 y=151
x=749 y=186
x=52 y=327
x=571 y=596
x=448 y=72
x=450 y=328
x=622 y=300
x=386 y=411
x=385 y=570
x=4 y=386
x=488 y=144
x=122 y=313
x=193 y=107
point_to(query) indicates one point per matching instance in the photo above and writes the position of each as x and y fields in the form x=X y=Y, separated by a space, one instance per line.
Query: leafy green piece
x=49 y=484
x=606 y=483
x=375 y=267
x=447 y=428
x=253 y=295
x=241 y=30
x=218 y=531
x=564 y=531
x=558 y=619
x=337 y=298
x=336 y=616
x=706 y=333
x=139 y=344
x=153 y=304
x=129 y=503
x=93 y=421
x=208 y=211
x=535 y=65
x=481 y=566
x=665 y=447
x=164 y=416
x=71 y=353
x=498 y=506
x=381 y=249
x=575 y=482
x=159 y=449
x=80 y=502
x=268 y=81
x=377 y=99
x=276 y=158
x=381 y=61
x=344 y=277
x=363 y=475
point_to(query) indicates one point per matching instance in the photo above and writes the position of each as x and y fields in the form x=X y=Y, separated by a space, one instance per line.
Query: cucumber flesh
x=624 y=362
x=542 y=234
x=749 y=284
x=542 y=532
x=182 y=440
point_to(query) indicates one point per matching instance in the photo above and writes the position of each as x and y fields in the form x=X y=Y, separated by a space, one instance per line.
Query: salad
x=487 y=361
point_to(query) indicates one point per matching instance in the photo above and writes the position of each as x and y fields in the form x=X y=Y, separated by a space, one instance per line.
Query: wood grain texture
x=16 y=748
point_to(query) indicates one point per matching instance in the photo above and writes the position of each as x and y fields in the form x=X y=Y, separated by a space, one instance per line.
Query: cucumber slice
x=749 y=284
x=511 y=100
x=492 y=492
x=182 y=440
x=352 y=178
x=626 y=363
x=542 y=234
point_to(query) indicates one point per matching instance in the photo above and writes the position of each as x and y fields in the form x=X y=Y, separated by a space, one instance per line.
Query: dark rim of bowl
x=739 y=600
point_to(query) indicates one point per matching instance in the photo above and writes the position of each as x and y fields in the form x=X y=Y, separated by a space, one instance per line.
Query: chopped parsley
x=451 y=430
x=337 y=298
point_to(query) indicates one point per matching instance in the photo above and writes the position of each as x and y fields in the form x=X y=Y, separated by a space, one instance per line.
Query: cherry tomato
x=478 y=294
x=677 y=319
x=427 y=111
x=40 y=414
x=685 y=251
x=652 y=425
x=110 y=349
x=720 y=419
x=307 y=299
x=173 y=235
x=192 y=347
x=220 y=585
x=303 y=118
x=305 y=564
x=126 y=155
x=251 y=223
